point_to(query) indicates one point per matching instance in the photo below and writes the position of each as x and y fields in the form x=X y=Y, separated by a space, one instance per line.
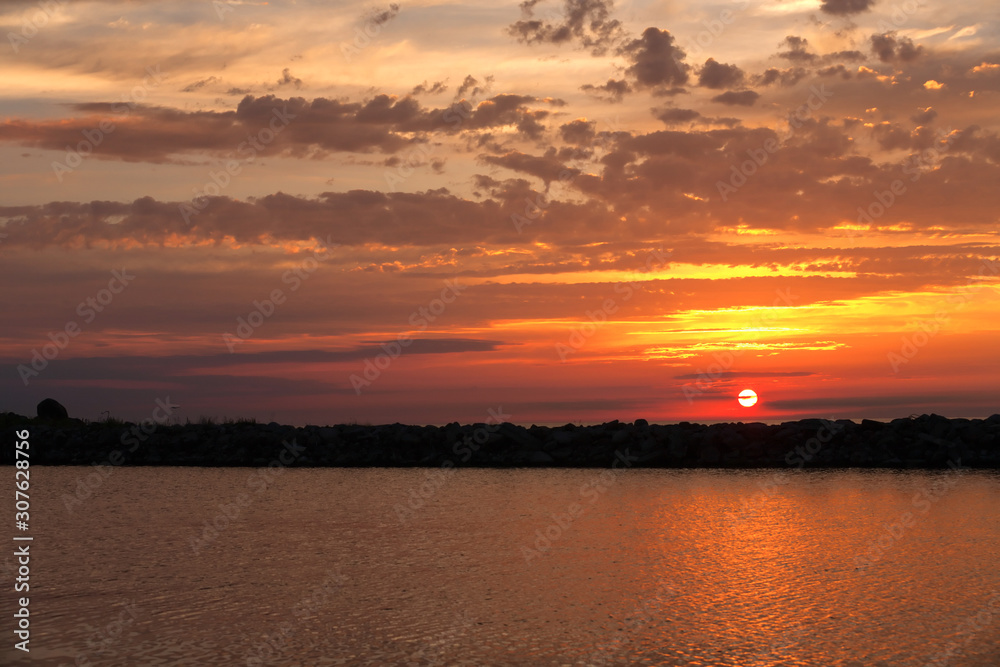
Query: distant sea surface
x=187 y=566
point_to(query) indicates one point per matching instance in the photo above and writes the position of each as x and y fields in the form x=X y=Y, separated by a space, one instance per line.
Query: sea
x=622 y=566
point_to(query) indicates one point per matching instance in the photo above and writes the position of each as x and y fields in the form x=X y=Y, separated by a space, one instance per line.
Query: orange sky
x=564 y=210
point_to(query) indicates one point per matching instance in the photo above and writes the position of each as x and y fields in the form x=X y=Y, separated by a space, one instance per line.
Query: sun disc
x=747 y=398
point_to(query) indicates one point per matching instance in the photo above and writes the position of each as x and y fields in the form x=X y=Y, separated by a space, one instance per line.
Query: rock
x=539 y=459
x=621 y=437
x=710 y=455
x=52 y=409
x=562 y=438
x=871 y=425
x=677 y=449
x=328 y=434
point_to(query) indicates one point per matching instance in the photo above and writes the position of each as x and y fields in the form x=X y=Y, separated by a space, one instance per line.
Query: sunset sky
x=565 y=211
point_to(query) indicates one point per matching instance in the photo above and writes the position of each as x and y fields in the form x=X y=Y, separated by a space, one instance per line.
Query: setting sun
x=748 y=398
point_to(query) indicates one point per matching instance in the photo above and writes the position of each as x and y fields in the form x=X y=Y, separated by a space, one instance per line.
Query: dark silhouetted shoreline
x=928 y=441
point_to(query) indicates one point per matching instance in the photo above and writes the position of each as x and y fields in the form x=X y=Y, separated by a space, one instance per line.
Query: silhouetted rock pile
x=928 y=441
x=51 y=409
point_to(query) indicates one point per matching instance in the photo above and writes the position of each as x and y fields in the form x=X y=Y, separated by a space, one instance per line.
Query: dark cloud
x=846 y=7
x=891 y=136
x=924 y=116
x=194 y=381
x=745 y=98
x=128 y=366
x=643 y=177
x=719 y=75
x=418 y=218
x=584 y=407
x=890 y=49
x=672 y=116
x=676 y=116
x=900 y=404
x=669 y=92
x=656 y=60
x=381 y=17
x=433 y=89
x=384 y=123
x=728 y=121
x=288 y=80
x=471 y=85
x=687 y=145
x=578 y=132
x=786 y=77
x=850 y=56
x=548 y=167
x=797 y=50
x=612 y=91
x=503 y=110
x=726 y=375
x=199 y=84
x=587 y=22
x=835 y=70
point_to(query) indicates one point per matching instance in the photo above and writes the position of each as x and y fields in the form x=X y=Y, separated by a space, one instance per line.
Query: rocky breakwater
x=928 y=441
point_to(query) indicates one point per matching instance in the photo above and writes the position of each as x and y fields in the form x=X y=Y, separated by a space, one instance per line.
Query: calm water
x=323 y=567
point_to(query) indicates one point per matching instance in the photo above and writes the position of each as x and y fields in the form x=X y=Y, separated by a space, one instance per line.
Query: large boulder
x=52 y=409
